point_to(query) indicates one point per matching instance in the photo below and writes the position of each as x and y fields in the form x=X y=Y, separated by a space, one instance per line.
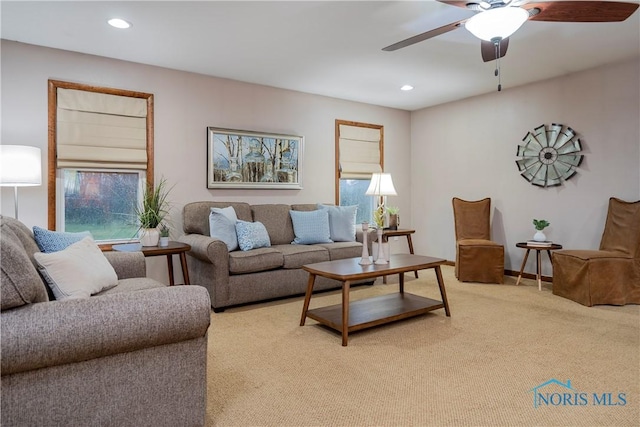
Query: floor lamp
x=20 y=166
x=381 y=185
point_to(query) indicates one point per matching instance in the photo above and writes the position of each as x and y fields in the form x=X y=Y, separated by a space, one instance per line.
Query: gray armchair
x=133 y=355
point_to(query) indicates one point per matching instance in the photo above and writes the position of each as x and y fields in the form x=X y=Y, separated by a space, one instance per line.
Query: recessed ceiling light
x=118 y=23
x=406 y=87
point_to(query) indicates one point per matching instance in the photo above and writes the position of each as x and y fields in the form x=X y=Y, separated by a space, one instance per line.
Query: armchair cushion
x=78 y=271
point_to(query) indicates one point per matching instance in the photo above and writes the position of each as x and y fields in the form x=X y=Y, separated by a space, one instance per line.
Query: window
x=100 y=158
x=359 y=153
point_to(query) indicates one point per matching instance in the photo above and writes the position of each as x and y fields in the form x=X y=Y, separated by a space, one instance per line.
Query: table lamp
x=20 y=166
x=381 y=185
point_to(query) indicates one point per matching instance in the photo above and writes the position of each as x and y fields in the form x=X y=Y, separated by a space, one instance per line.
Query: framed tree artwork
x=247 y=159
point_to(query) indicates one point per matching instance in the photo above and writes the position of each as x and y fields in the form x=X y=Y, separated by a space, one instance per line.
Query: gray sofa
x=132 y=355
x=240 y=277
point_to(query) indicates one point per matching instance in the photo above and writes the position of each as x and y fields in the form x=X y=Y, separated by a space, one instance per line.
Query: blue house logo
x=556 y=393
x=540 y=397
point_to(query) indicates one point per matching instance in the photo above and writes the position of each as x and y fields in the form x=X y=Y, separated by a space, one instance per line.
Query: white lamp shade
x=381 y=185
x=496 y=23
x=20 y=166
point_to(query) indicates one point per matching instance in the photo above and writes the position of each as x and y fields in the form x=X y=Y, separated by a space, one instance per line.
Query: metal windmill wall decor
x=550 y=155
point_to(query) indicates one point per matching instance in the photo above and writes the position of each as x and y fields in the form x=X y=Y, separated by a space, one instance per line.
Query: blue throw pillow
x=310 y=227
x=252 y=235
x=222 y=225
x=342 y=222
x=54 y=241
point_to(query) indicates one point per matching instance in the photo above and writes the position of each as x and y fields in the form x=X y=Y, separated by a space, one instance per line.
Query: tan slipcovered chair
x=478 y=258
x=610 y=275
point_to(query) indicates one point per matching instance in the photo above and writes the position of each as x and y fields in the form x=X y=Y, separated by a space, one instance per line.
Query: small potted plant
x=393 y=217
x=540 y=225
x=151 y=212
x=164 y=235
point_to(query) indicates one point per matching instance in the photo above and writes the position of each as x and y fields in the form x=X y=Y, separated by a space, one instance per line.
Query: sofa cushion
x=276 y=219
x=78 y=271
x=19 y=280
x=252 y=235
x=53 y=241
x=222 y=226
x=132 y=284
x=262 y=259
x=310 y=227
x=295 y=256
x=342 y=222
x=341 y=250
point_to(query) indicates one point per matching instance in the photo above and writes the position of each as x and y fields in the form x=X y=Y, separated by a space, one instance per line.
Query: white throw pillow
x=222 y=225
x=78 y=271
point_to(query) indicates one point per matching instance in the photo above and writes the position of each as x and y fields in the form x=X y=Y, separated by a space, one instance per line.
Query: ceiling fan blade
x=582 y=11
x=424 y=36
x=488 y=49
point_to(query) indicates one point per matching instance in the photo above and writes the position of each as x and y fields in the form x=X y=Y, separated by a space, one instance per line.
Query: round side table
x=537 y=247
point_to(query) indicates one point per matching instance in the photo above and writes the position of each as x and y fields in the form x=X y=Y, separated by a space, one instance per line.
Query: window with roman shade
x=359 y=150
x=359 y=154
x=100 y=130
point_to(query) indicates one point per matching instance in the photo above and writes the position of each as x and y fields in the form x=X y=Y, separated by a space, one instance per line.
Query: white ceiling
x=330 y=48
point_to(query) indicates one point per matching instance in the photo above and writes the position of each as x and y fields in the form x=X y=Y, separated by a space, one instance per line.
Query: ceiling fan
x=496 y=20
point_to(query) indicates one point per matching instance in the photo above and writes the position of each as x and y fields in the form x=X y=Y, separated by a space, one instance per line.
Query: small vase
x=539 y=236
x=164 y=241
x=149 y=236
x=393 y=221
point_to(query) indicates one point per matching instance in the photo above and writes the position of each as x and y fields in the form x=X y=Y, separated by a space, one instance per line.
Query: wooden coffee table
x=366 y=313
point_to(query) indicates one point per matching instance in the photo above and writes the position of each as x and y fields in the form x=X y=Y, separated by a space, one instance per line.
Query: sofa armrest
x=59 y=332
x=127 y=264
x=208 y=249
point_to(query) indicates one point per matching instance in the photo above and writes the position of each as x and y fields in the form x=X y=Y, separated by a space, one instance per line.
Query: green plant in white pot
x=151 y=212
x=164 y=234
x=540 y=225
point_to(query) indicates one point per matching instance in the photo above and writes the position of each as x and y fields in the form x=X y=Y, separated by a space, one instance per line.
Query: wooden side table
x=395 y=233
x=537 y=248
x=172 y=249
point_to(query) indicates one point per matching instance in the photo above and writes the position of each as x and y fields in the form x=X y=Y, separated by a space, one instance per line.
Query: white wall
x=185 y=104
x=468 y=149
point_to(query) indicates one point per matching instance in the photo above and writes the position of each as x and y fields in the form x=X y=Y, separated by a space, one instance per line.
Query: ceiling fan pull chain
x=497 y=72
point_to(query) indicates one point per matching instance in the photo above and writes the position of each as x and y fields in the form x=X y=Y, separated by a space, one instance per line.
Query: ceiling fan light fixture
x=496 y=23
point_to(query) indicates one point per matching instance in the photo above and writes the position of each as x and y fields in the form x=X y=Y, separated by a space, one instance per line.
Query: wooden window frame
x=53 y=144
x=337 y=150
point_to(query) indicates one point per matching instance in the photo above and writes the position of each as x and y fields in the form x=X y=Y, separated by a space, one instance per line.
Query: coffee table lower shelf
x=374 y=311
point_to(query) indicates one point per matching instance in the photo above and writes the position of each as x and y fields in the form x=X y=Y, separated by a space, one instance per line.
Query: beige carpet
x=477 y=367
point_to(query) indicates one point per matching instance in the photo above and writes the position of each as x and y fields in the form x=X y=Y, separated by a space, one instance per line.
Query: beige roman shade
x=101 y=130
x=359 y=152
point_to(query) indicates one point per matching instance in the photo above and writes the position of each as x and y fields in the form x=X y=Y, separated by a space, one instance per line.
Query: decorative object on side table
x=381 y=186
x=152 y=212
x=540 y=225
x=365 y=260
x=164 y=235
x=394 y=220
